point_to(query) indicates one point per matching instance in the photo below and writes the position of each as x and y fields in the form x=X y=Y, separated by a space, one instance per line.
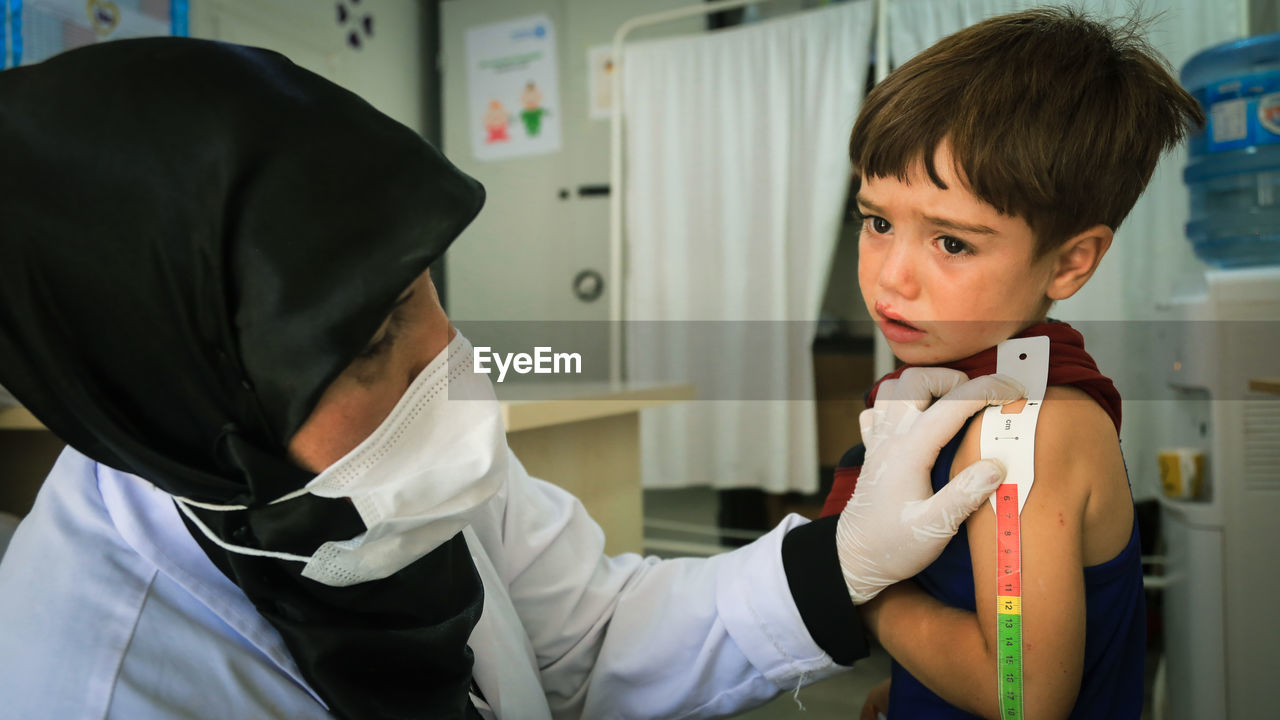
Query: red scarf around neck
x=1069 y=364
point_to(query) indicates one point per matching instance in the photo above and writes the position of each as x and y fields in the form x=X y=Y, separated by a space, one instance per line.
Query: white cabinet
x=1221 y=637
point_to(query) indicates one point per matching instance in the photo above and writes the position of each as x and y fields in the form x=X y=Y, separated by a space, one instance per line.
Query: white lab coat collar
x=148 y=521
x=511 y=689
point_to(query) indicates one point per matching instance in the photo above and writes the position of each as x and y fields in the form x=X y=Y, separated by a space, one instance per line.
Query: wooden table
x=27 y=451
x=586 y=439
x=1265 y=385
x=583 y=437
x=17 y=418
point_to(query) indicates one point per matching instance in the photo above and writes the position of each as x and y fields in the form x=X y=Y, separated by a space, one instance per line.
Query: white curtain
x=736 y=175
x=1150 y=256
x=916 y=24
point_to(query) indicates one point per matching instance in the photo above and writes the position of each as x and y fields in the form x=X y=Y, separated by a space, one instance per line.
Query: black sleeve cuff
x=813 y=573
x=855 y=456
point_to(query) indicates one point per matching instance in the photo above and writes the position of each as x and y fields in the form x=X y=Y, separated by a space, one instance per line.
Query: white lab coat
x=109 y=609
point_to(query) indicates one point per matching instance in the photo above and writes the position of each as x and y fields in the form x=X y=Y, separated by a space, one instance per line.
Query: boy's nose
x=897 y=273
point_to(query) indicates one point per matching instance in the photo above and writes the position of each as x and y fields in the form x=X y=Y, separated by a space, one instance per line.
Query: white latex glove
x=894 y=525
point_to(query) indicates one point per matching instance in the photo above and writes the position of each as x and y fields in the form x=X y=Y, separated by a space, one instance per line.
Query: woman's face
x=357 y=402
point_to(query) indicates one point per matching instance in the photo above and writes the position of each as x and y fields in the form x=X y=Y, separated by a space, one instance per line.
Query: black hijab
x=195 y=239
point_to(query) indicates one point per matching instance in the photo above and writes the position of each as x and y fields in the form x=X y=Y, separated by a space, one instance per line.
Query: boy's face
x=944 y=274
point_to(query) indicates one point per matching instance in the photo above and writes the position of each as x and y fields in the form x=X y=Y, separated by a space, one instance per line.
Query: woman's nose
x=415 y=369
x=423 y=343
x=416 y=354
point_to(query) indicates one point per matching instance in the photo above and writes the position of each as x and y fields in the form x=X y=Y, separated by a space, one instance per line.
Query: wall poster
x=600 y=81
x=35 y=30
x=514 y=88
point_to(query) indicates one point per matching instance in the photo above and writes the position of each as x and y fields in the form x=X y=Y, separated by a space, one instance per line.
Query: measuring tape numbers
x=1010 y=438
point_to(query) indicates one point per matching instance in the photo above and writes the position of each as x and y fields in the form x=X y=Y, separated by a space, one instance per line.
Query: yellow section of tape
x=1008 y=605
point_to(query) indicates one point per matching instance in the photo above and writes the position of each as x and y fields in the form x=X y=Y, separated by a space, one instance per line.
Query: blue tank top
x=1115 y=627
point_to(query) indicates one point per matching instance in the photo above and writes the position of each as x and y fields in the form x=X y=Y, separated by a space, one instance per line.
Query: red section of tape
x=1008 y=541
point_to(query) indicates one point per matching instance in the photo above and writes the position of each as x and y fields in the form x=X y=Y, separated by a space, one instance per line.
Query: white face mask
x=439 y=455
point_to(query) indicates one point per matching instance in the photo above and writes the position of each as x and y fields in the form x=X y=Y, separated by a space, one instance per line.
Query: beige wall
x=1264 y=17
x=386 y=70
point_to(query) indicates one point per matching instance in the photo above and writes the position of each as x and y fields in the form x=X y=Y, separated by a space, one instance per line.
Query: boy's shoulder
x=1078 y=466
x=1076 y=444
x=1071 y=422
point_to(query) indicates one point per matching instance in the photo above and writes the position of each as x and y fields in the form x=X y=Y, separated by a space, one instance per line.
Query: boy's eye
x=879 y=225
x=953 y=246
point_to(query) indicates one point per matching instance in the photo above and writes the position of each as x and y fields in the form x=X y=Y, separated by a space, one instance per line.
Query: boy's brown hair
x=1051 y=116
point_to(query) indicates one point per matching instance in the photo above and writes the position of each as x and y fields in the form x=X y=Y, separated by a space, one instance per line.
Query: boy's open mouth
x=901 y=323
x=893 y=319
x=895 y=328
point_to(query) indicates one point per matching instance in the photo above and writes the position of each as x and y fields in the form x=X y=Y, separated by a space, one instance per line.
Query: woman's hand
x=877 y=703
x=894 y=525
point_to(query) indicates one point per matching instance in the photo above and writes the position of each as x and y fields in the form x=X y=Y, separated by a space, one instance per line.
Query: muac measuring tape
x=1011 y=439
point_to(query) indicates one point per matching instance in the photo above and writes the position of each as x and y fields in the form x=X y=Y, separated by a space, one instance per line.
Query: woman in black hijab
x=198 y=239
x=213 y=287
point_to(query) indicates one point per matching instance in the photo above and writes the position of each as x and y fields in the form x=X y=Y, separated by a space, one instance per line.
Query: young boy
x=992 y=171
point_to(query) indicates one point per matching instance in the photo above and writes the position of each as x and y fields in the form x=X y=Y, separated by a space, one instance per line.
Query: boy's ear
x=1075 y=260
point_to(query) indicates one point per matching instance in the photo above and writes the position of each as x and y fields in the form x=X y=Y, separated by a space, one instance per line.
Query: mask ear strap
x=185 y=506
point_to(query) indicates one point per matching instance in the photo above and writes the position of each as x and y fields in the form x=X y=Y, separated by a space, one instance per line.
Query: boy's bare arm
x=943 y=647
x=1053 y=531
x=952 y=651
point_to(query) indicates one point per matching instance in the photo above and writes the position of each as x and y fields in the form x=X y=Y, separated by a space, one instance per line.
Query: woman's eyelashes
x=395 y=322
x=380 y=346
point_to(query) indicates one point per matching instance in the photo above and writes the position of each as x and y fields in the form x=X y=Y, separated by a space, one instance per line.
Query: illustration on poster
x=533 y=111
x=496 y=121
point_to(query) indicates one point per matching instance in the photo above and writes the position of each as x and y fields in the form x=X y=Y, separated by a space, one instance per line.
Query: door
x=545 y=225
x=508 y=264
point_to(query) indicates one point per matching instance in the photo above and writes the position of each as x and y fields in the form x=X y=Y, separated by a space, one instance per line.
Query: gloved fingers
x=939 y=517
x=866 y=425
x=913 y=392
x=937 y=425
x=919 y=386
x=896 y=412
x=899 y=416
x=879 y=411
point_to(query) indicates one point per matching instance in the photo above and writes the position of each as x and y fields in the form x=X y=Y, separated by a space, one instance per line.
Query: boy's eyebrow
x=867 y=203
x=960 y=227
x=940 y=222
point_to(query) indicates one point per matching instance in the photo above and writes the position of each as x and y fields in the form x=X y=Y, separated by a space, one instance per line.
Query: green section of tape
x=1009 y=665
